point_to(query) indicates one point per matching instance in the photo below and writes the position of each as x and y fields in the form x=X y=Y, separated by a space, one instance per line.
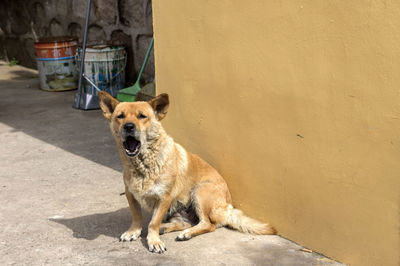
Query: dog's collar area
x=131 y=146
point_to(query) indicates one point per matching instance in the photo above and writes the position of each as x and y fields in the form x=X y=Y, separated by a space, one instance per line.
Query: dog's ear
x=160 y=105
x=107 y=104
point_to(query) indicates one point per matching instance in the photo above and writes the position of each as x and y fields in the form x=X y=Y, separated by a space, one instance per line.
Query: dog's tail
x=236 y=219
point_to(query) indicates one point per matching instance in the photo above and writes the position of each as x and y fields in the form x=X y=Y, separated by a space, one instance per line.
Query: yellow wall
x=297 y=104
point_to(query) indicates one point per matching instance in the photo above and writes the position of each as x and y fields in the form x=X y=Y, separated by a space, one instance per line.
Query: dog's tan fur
x=163 y=177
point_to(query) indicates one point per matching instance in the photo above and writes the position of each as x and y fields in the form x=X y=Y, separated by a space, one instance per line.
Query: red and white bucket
x=55 y=57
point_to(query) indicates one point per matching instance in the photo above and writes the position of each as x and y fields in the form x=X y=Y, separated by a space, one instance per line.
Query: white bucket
x=104 y=66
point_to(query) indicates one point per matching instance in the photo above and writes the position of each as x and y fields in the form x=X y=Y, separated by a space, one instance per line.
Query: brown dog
x=163 y=178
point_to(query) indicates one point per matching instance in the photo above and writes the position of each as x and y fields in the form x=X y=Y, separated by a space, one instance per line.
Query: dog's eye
x=142 y=116
x=121 y=115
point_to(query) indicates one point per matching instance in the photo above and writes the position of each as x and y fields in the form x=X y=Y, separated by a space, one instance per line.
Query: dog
x=182 y=191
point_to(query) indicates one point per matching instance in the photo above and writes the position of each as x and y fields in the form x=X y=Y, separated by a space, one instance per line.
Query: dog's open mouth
x=132 y=146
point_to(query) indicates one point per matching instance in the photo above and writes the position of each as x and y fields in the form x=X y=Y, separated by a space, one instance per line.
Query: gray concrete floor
x=60 y=185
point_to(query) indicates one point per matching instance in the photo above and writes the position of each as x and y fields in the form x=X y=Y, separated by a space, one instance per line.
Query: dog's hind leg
x=202 y=227
x=174 y=224
x=203 y=200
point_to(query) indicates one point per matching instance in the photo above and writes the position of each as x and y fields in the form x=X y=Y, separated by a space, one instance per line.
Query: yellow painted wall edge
x=297 y=104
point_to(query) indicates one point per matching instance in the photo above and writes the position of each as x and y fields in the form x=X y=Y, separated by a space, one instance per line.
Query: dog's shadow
x=111 y=224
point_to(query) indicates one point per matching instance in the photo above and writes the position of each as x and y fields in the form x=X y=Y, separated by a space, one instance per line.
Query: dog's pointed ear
x=160 y=105
x=107 y=104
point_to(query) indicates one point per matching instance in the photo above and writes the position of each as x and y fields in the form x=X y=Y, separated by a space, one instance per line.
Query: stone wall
x=128 y=22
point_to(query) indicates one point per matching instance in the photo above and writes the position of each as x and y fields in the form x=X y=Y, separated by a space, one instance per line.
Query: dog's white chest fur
x=157 y=190
x=146 y=191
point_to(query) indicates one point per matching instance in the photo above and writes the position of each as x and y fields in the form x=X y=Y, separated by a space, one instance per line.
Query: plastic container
x=105 y=67
x=55 y=57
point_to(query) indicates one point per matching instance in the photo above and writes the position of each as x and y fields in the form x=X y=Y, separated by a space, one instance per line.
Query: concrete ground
x=60 y=185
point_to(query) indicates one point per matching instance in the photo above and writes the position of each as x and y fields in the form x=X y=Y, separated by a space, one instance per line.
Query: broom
x=129 y=94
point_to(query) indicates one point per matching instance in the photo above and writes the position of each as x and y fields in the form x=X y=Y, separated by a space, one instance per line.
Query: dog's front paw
x=184 y=236
x=156 y=245
x=130 y=235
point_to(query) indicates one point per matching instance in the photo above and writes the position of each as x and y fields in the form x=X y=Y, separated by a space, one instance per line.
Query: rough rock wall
x=126 y=21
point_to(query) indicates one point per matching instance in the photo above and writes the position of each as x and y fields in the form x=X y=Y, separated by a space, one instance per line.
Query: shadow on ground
x=22 y=74
x=49 y=116
x=111 y=224
x=89 y=227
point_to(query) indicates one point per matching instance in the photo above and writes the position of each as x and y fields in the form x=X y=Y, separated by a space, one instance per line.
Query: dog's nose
x=129 y=127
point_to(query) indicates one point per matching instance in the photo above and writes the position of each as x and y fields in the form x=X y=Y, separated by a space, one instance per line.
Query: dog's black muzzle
x=130 y=143
x=129 y=128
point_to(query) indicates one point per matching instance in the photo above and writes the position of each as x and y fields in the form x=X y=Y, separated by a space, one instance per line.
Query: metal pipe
x=83 y=54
